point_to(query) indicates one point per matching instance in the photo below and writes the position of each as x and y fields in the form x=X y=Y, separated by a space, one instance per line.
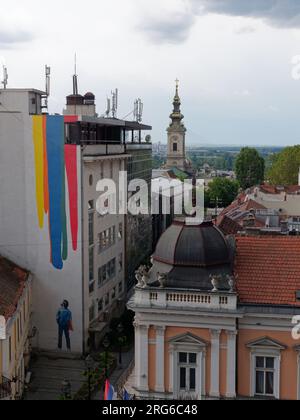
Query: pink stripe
x=72 y=177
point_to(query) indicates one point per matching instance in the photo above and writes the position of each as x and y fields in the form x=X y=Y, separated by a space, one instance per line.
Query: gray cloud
x=170 y=29
x=283 y=13
x=175 y=27
x=8 y=39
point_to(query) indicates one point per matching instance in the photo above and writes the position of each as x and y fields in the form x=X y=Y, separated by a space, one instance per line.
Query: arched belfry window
x=175 y=147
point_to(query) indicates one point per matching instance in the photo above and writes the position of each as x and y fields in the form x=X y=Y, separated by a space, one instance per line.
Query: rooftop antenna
x=45 y=97
x=115 y=103
x=138 y=110
x=5 y=77
x=108 y=109
x=75 y=80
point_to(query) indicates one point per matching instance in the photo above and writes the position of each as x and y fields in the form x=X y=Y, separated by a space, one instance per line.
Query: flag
x=126 y=396
x=109 y=391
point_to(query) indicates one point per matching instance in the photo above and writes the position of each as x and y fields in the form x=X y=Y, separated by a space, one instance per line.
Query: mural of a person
x=64 y=322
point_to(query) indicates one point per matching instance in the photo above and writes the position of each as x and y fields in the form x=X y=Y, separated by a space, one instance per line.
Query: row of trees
x=250 y=168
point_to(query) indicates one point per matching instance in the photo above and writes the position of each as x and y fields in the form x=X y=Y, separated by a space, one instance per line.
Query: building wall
x=15 y=349
x=24 y=225
x=289 y=362
x=97 y=168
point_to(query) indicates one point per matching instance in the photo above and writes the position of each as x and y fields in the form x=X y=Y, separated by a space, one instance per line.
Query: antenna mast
x=138 y=110
x=115 y=103
x=5 y=77
x=45 y=97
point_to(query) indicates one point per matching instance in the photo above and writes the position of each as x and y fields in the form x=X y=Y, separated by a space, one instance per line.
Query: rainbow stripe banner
x=55 y=163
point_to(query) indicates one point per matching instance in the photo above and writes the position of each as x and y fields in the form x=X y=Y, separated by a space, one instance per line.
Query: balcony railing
x=158 y=298
x=5 y=388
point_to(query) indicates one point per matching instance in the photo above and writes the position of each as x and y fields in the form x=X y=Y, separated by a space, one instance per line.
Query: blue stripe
x=55 y=152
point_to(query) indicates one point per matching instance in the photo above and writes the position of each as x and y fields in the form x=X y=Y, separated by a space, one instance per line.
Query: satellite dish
x=148 y=138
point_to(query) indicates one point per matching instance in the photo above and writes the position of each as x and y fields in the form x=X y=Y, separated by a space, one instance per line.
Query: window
x=10 y=350
x=91 y=287
x=107 y=239
x=175 y=147
x=187 y=371
x=106 y=272
x=100 y=306
x=120 y=233
x=120 y=262
x=264 y=376
x=91 y=228
x=91 y=180
x=91 y=264
x=92 y=313
x=120 y=287
x=107 y=300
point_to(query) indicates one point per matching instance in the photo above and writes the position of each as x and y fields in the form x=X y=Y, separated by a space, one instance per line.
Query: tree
x=221 y=191
x=285 y=167
x=250 y=168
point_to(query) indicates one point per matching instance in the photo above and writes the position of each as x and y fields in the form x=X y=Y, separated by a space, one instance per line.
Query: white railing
x=162 y=298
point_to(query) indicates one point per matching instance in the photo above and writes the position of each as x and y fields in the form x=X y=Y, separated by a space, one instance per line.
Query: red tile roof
x=268 y=270
x=228 y=226
x=12 y=283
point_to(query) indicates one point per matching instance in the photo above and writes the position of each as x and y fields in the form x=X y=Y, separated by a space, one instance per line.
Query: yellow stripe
x=39 y=166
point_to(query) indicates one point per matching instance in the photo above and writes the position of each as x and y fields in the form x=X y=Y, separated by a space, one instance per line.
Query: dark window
x=175 y=147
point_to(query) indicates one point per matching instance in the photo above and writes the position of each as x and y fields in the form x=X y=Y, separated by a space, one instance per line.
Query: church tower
x=176 y=136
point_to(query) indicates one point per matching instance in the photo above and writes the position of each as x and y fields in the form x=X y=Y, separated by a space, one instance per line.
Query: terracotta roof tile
x=268 y=270
x=12 y=283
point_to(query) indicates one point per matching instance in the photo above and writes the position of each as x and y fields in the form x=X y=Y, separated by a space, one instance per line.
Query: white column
x=141 y=357
x=160 y=359
x=215 y=364
x=231 y=364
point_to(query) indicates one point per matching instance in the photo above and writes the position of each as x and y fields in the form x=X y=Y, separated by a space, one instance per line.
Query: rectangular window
x=100 y=306
x=92 y=313
x=107 y=300
x=120 y=287
x=107 y=239
x=91 y=264
x=175 y=147
x=106 y=272
x=187 y=371
x=120 y=233
x=120 y=262
x=264 y=376
x=91 y=228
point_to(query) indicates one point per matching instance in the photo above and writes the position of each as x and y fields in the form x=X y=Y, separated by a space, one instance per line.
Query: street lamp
x=106 y=344
x=89 y=364
x=120 y=330
x=66 y=389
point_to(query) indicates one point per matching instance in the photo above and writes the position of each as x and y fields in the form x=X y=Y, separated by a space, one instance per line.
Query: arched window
x=175 y=147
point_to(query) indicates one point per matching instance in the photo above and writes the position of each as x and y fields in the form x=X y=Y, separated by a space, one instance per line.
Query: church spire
x=176 y=114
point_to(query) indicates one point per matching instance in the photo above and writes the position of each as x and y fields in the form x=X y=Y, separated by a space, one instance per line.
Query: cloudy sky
x=233 y=59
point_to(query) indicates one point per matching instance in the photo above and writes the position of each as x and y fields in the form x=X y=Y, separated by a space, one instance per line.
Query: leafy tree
x=249 y=167
x=285 y=167
x=222 y=191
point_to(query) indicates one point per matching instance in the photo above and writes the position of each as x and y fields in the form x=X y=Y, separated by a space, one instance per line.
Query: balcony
x=164 y=299
x=5 y=388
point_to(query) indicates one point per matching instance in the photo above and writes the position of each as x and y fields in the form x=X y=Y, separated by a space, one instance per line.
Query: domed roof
x=192 y=246
x=89 y=95
x=191 y=254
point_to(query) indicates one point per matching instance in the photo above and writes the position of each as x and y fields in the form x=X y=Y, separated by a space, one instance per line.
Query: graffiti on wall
x=55 y=174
